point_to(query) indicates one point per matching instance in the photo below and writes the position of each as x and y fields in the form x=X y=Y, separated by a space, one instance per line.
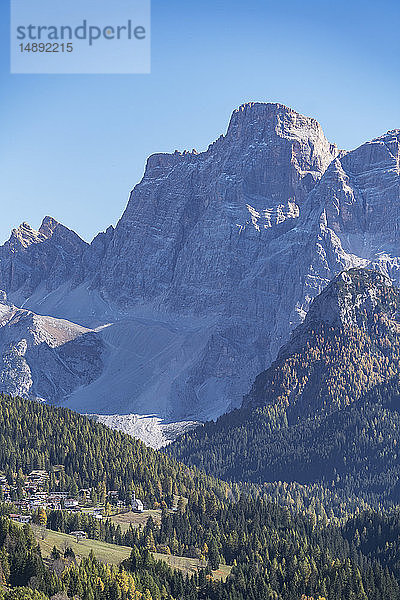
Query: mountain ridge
x=233 y=243
x=327 y=410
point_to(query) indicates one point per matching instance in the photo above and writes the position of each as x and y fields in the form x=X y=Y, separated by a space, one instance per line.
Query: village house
x=21 y=518
x=5 y=487
x=137 y=505
x=42 y=496
x=79 y=535
x=36 y=503
x=36 y=480
x=58 y=495
x=37 y=477
x=71 y=503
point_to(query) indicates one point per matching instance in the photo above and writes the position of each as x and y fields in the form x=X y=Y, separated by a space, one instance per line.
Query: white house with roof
x=79 y=535
x=137 y=505
x=71 y=503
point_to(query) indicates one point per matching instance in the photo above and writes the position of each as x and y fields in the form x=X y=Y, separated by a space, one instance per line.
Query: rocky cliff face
x=352 y=217
x=45 y=358
x=198 y=224
x=224 y=250
x=352 y=300
x=40 y=261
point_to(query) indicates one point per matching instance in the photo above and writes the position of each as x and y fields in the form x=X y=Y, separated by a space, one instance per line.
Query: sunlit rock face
x=214 y=261
x=213 y=236
x=355 y=214
x=198 y=227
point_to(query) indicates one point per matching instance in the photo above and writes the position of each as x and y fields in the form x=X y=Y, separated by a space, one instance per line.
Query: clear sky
x=72 y=146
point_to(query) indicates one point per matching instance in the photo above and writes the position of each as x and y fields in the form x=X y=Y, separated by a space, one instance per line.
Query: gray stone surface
x=45 y=358
x=214 y=261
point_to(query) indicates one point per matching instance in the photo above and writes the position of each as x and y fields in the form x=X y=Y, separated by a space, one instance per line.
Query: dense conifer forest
x=275 y=553
x=327 y=411
x=37 y=436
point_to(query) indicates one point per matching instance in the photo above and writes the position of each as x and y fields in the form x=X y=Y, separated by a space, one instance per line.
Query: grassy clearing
x=136 y=519
x=113 y=554
x=107 y=553
x=187 y=565
x=222 y=573
x=191 y=565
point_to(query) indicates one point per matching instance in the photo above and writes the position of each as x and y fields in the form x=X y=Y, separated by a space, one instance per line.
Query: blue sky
x=73 y=146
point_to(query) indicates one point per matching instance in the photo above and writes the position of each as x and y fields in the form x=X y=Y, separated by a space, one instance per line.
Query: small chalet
x=21 y=518
x=71 y=503
x=137 y=505
x=79 y=535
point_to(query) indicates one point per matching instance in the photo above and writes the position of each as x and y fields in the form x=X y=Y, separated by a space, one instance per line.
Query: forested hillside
x=274 y=553
x=327 y=410
x=275 y=556
x=325 y=414
x=24 y=575
x=35 y=436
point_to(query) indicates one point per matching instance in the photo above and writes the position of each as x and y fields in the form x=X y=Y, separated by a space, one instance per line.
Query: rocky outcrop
x=45 y=358
x=222 y=251
x=356 y=299
x=354 y=214
x=40 y=261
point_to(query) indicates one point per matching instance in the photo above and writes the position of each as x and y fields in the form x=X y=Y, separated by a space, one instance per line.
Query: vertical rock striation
x=215 y=259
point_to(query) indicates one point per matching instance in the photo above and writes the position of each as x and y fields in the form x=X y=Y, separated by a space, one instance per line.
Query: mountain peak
x=267 y=110
x=258 y=126
x=25 y=235
x=279 y=133
x=272 y=118
x=48 y=226
x=391 y=134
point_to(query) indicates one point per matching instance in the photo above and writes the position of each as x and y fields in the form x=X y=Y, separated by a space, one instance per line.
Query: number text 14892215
x=46 y=47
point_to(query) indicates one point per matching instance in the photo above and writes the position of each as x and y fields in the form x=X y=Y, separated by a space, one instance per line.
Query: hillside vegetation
x=327 y=410
x=38 y=436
